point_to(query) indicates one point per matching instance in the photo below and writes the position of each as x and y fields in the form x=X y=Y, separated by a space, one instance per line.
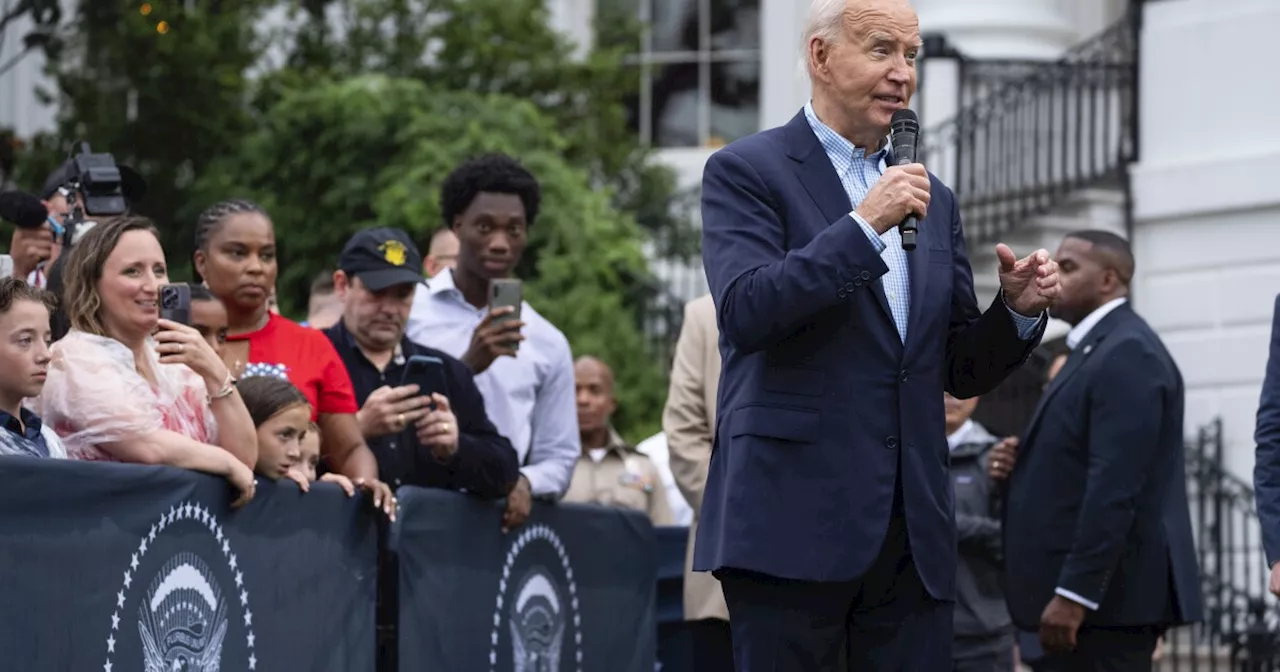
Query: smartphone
x=6 y=266
x=507 y=292
x=425 y=372
x=175 y=303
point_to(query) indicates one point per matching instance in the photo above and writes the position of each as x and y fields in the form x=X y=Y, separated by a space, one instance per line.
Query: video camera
x=94 y=186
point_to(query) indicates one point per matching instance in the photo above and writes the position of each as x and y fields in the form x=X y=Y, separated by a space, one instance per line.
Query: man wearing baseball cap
x=421 y=435
x=427 y=425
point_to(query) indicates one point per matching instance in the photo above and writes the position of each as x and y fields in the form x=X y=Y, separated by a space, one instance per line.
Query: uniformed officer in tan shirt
x=610 y=472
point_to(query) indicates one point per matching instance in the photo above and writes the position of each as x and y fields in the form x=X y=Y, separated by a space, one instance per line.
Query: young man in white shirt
x=524 y=367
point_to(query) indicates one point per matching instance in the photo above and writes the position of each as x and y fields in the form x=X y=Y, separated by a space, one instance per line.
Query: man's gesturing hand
x=901 y=191
x=1030 y=284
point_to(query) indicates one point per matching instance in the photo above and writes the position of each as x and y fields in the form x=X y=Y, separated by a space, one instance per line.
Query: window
x=699 y=63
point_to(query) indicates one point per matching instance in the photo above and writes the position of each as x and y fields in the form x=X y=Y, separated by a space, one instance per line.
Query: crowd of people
x=240 y=391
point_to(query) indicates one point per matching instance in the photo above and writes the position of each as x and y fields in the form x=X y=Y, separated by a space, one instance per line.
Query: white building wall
x=19 y=107
x=1207 y=205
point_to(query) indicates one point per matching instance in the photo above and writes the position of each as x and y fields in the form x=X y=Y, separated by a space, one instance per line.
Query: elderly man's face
x=871 y=71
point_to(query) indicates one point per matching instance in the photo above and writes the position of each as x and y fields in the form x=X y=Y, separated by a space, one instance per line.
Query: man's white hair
x=825 y=22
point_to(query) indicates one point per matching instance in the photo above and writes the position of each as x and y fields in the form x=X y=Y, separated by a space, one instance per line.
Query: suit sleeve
x=764 y=291
x=982 y=348
x=485 y=464
x=1266 y=470
x=685 y=418
x=1126 y=412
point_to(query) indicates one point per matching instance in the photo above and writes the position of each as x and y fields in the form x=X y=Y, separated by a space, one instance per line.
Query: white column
x=19 y=107
x=1031 y=29
x=784 y=86
x=575 y=19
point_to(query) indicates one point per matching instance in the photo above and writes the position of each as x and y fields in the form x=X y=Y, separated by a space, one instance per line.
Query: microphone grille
x=904 y=133
x=905 y=120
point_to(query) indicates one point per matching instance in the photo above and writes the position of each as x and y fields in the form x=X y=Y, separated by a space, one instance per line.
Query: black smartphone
x=425 y=372
x=506 y=292
x=175 y=303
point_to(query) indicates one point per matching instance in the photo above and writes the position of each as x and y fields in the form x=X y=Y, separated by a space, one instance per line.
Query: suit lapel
x=820 y=179
x=918 y=264
x=1074 y=361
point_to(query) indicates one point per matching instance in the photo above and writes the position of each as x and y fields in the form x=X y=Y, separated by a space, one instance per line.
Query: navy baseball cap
x=382 y=258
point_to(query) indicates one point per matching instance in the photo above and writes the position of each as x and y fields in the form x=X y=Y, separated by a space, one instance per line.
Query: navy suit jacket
x=1097 y=503
x=821 y=406
x=1266 y=470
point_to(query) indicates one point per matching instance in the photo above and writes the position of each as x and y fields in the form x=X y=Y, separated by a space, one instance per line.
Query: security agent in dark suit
x=1097 y=532
x=1266 y=470
x=828 y=513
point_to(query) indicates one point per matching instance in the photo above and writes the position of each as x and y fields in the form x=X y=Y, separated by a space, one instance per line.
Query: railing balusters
x=1030 y=132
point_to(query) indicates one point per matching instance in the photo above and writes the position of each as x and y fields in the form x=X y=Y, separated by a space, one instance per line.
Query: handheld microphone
x=22 y=210
x=904 y=130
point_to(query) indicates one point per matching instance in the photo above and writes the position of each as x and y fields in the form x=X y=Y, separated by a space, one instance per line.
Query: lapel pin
x=1088 y=349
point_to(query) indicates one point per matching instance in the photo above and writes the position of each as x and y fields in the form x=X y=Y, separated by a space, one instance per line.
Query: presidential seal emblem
x=172 y=613
x=537 y=626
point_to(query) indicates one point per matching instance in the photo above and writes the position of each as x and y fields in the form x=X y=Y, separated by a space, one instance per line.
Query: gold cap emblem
x=393 y=251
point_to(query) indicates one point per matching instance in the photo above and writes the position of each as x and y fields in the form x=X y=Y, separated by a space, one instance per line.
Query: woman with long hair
x=127 y=386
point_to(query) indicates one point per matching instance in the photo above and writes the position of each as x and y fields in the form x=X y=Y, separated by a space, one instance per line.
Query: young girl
x=288 y=442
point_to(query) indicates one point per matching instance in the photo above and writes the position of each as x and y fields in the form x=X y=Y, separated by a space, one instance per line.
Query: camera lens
x=168 y=299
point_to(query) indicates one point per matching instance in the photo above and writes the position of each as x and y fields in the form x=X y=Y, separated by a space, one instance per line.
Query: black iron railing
x=659 y=315
x=1030 y=133
x=1241 y=619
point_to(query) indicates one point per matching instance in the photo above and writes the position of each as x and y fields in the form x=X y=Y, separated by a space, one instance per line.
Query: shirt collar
x=29 y=426
x=1078 y=332
x=442 y=282
x=349 y=341
x=837 y=145
x=615 y=443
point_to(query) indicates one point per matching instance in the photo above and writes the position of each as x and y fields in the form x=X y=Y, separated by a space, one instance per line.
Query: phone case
x=175 y=303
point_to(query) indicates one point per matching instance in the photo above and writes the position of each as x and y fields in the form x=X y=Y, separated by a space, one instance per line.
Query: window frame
x=648 y=61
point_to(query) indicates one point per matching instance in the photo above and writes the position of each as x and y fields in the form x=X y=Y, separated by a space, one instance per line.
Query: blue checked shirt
x=858 y=173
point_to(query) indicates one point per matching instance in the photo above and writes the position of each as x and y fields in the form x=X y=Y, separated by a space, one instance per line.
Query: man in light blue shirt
x=524 y=367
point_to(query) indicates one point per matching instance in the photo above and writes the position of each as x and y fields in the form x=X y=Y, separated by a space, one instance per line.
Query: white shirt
x=1078 y=332
x=530 y=398
x=969 y=432
x=655 y=447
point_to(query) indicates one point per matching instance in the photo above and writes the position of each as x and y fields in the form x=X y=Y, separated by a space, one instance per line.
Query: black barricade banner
x=572 y=590
x=128 y=568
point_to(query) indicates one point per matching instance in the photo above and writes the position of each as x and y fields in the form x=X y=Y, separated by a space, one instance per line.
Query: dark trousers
x=883 y=621
x=985 y=654
x=1105 y=650
x=712 y=645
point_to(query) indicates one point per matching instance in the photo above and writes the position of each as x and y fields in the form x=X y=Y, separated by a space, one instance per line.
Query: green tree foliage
x=214 y=107
x=339 y=156
x=509 y=47
x=163 y=90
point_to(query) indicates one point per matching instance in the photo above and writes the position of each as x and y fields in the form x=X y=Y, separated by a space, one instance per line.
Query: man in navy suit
x=1099 y=557
x=1266 y=470
x=828 y=509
